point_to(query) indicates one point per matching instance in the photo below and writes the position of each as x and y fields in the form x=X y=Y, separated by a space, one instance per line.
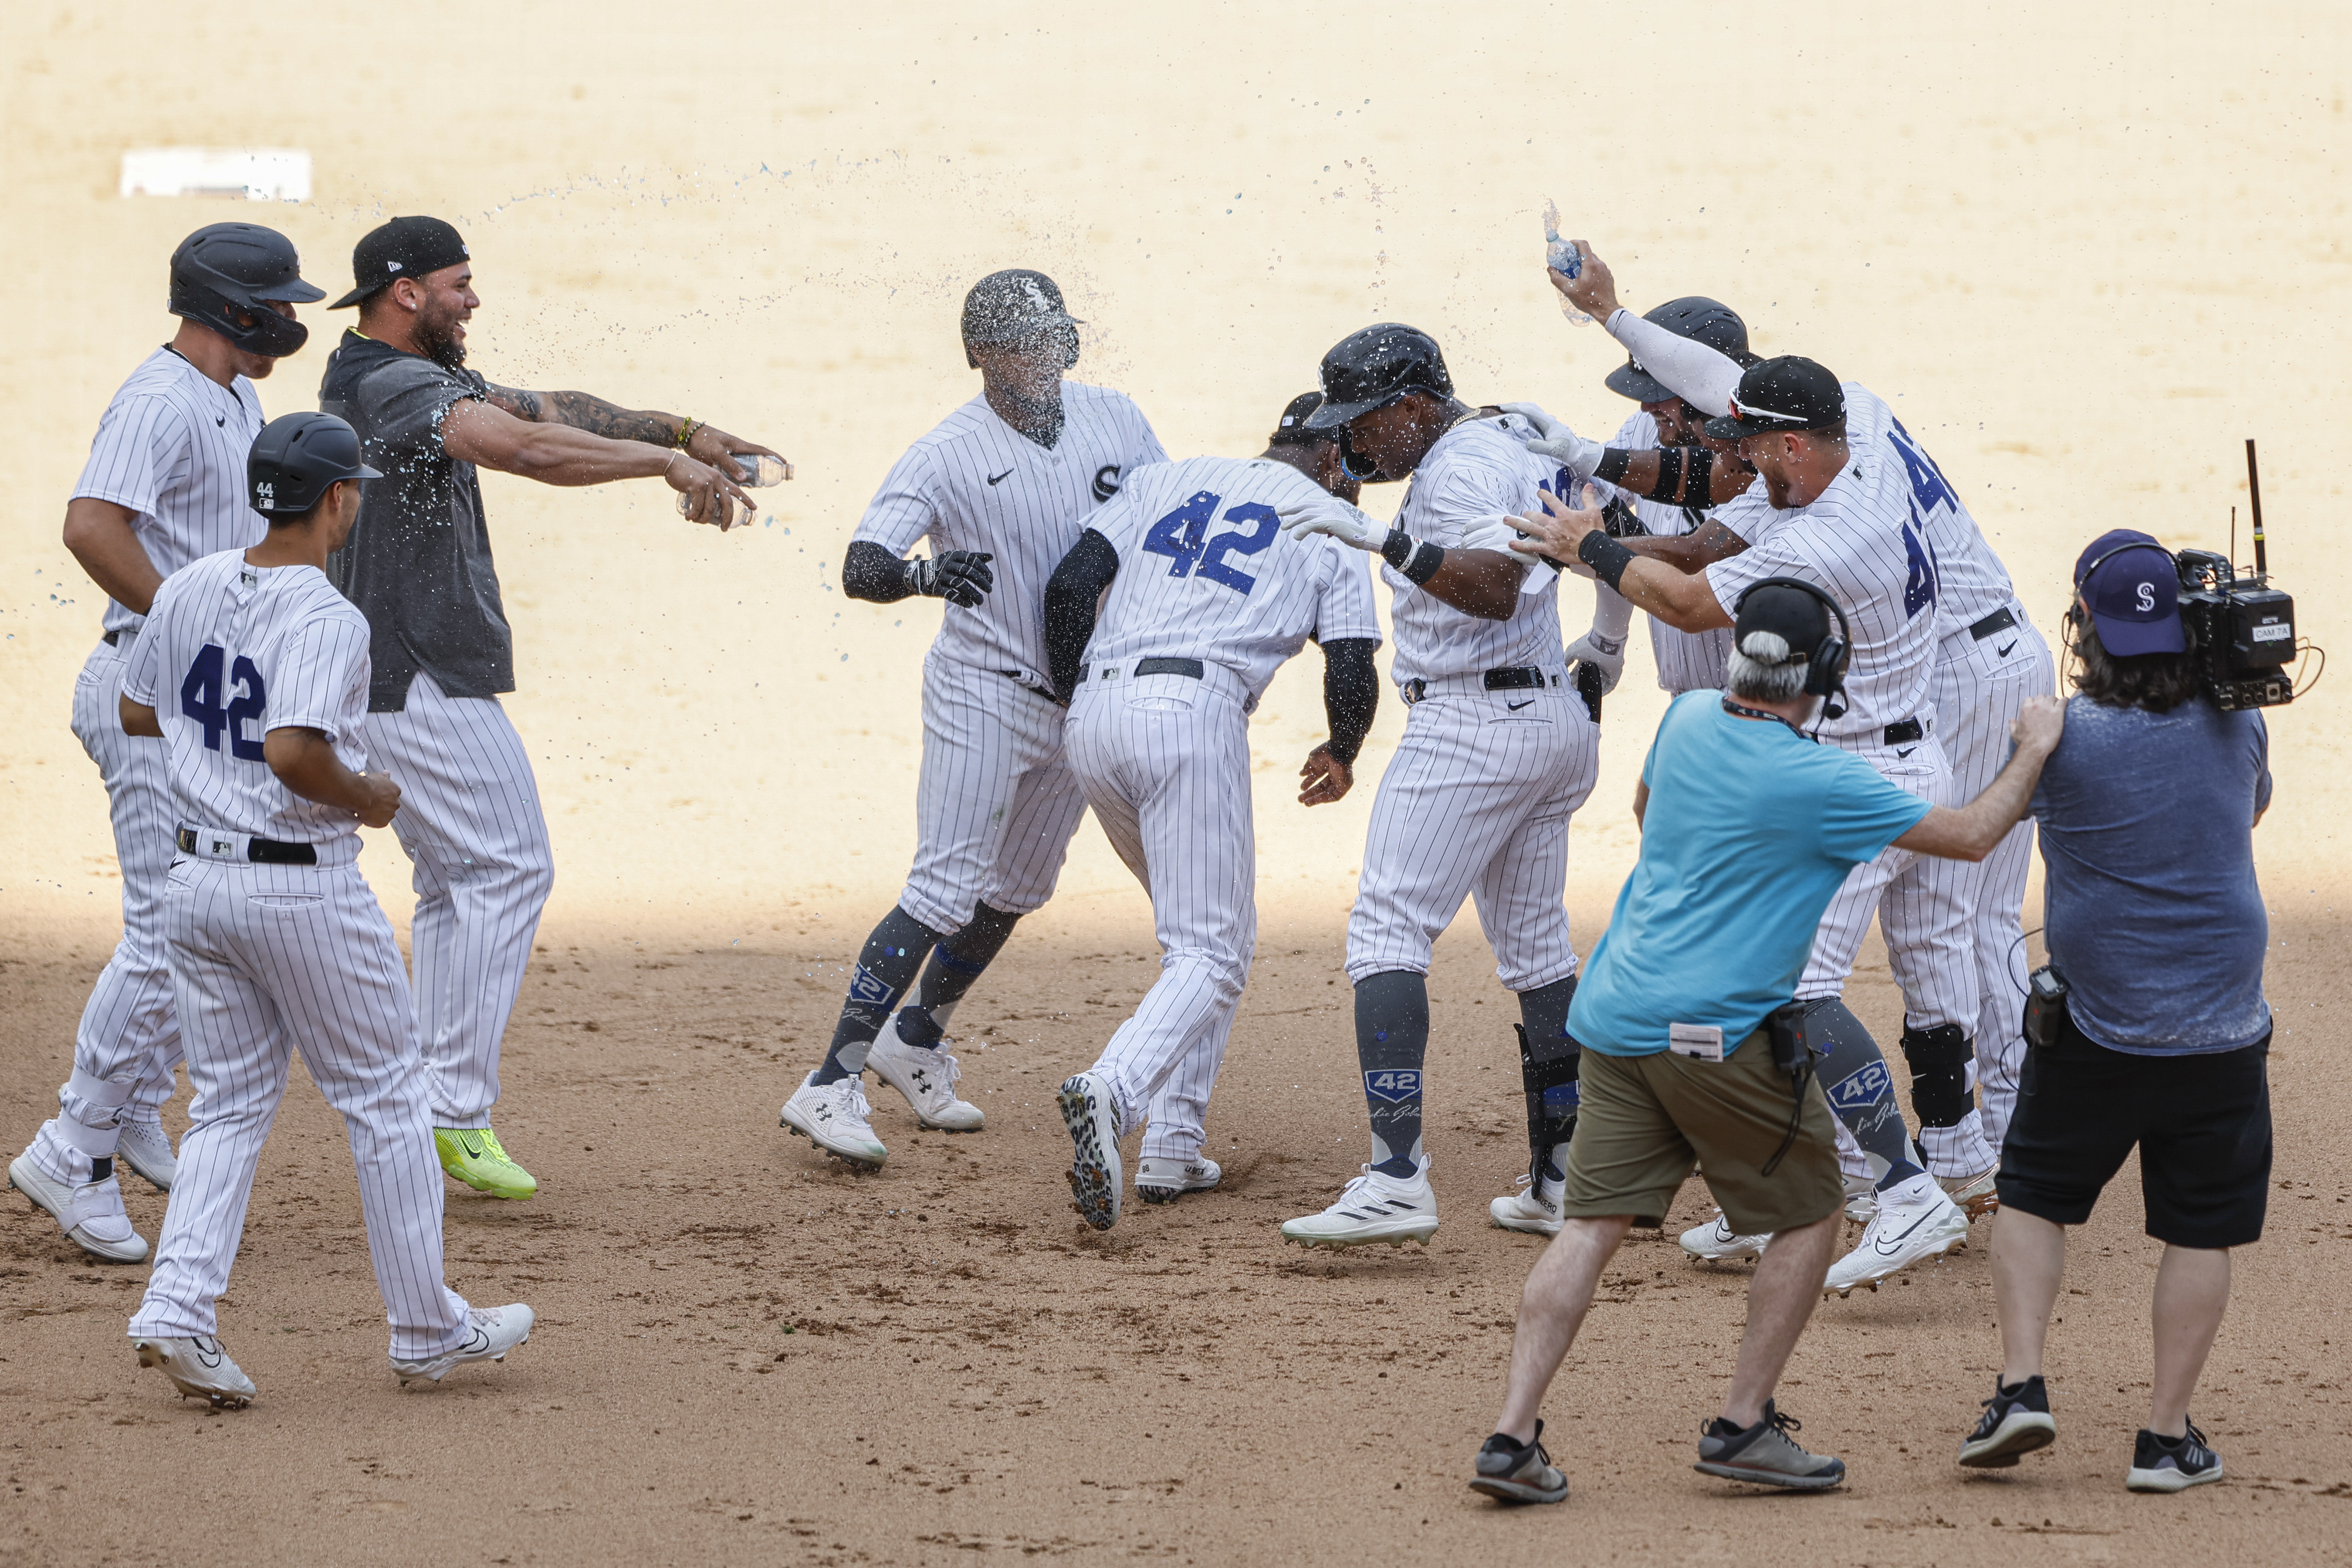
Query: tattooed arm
x=581 y=411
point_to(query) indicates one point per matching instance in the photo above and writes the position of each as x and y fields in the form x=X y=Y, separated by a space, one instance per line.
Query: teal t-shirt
x=1749 y=830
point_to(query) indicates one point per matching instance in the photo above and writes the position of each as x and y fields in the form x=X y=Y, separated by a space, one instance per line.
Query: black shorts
x=2202 y=1124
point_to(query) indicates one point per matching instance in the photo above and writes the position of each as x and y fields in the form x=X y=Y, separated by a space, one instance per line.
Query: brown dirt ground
x=746 y=1354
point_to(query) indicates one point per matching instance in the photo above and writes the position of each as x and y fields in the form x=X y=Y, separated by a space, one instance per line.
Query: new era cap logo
x=392 y=266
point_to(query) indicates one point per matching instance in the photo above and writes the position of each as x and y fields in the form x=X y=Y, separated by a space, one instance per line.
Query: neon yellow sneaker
x=472 y=1155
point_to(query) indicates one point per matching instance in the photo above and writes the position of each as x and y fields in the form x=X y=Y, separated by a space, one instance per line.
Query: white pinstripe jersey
x=172 y=446
x=1863 y=542
x=1234 y=589
x=233 y=651
x=1476 y=469
x=1685 y=660
x=976 y=483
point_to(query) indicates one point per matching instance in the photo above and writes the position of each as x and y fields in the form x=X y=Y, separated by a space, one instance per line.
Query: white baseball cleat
x=146 y=1148
x=1372 y=1207
x=1094 y=1148
x=491 y=1333
x=199 y=1368
x=832 y=1117
x=1916 y=1220
x=1975 y=1194
x=927 y=1077
x=91 y=1215
x=1860 y=1199
x=1162 y=1181
x=1717 y=1242
x=1528 y=1209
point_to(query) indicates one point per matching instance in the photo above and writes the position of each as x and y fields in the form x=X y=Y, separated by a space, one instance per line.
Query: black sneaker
x=1517 y=1472
x=1765 y=1454
x=2016 y=1421
x=2172 y=1464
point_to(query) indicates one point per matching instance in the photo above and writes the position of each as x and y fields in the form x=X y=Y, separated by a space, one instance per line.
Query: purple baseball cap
x=2132 y=589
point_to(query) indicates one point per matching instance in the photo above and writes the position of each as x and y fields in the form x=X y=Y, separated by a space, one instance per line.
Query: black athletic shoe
x=2016 y=1421
x=1514 y=1472
x=2172 y=1464
x=1765 y=1454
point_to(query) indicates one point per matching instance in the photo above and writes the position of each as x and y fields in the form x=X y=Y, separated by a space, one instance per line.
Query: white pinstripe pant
x=268 y=960
x=1980 y=685
x=996 y=804
x=1475 y=803
x=1165 y=763
x=470 y=821
x=129 y=1039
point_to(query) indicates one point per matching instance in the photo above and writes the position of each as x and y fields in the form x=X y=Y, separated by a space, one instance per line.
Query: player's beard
x=438 y=340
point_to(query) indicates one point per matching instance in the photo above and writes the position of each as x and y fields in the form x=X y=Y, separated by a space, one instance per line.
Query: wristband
x=1613 y=464
x=1698 y=483
x=1416 y=559
x=1669 y=487
x=1607 y=558
x=1397 y=548
x=685 y=431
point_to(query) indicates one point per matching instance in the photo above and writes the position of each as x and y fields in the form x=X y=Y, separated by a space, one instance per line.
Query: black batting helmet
x=1017 y=303
x=226 y=268
x=296 y=457
x=1372 y=368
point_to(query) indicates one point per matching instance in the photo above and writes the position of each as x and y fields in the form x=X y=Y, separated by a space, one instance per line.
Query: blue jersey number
x=1919 y=584
x=1182 y=537
x=1927 y=481
x=219 y=703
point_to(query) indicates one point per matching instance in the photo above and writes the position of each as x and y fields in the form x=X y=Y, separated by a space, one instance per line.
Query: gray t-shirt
x=418 y=561
x=2151 y=910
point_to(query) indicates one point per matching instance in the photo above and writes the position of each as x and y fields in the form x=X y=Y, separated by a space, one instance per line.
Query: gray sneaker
x=1765 y=1454
x=1518 y=1472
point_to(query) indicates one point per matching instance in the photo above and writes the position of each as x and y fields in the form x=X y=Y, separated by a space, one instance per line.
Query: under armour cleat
x=1372 y=1207
x=832 y=1117
x=926 y=1076
x=1528 y=1210
x=473 y=1155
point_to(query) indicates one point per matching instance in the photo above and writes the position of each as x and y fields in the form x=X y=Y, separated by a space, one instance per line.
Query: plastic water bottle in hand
x=1562 y=256
x=760 y=469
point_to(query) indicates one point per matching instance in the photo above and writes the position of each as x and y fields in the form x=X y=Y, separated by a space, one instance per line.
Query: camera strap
x=1792 y=1053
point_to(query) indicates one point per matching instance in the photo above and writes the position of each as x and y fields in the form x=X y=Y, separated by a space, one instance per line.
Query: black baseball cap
x=1373 y=367
x=1018 y=302
x=404 y=247
x=1695 y=317
x=2132 y=588
x=1800 y=619
x=1292 y=431
x=295 y=456
x=1789 y=392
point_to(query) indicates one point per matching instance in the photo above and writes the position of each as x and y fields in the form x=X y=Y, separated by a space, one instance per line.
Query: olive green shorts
x=1643 y=1121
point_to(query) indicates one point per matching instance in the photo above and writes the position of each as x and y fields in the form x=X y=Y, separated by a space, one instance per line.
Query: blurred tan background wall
x=2085 y=249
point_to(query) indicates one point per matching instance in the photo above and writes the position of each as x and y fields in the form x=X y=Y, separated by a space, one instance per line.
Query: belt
x=215 y=844
x=112 y=639
x=1908 y=731
x=1188 y=666
x=2000 y=620
x=1521 y=677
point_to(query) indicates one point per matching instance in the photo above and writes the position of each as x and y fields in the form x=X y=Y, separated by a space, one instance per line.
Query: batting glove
x=1603 y=654
x=959 y=576
x=1328 y=514
x=1554 y=439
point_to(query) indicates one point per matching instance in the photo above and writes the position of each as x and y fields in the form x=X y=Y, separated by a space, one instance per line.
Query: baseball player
x=1003 y=487
x=1848 y=521
x=1159 y=735
x=419 y=566
x=165 y=485
x=1497 y=753
x=254 y=673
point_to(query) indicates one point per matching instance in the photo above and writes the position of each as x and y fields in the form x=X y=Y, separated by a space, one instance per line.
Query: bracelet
x=669 y=464
x=1607 y=558
x=685 y=431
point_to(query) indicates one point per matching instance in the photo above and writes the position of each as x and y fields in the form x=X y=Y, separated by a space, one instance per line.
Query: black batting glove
x=959 y=576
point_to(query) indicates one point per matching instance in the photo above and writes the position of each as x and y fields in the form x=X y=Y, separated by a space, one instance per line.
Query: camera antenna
x=2254 y=498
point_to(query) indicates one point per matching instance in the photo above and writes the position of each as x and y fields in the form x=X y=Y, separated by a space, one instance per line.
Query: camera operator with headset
x=2150 y=1027
x=1691 y=1051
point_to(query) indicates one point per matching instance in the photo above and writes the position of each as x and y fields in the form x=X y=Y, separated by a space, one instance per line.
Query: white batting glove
x=1546 y=426
x=1328 y=514
x=1554 y=439
x=1604 y=654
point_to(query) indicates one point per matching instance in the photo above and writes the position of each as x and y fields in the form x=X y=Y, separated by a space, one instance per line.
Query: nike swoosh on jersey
x=996 y=479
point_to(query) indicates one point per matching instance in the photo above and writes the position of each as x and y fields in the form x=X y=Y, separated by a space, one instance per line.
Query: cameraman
x=2156 y=929
x=1756 y=827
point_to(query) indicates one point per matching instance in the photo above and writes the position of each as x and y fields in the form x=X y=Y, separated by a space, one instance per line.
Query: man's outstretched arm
x=704 y=442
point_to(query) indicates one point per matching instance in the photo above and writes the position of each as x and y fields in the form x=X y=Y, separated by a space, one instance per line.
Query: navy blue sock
x=892 y=957
x=956 y=963
x=1861 y=1090
x=1392 y=1040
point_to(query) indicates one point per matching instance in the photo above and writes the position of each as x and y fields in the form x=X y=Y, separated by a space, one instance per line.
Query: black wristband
x=1613 y=464
x=1670 y=475
x=1397 y=548
x=1698 y=480
x=1607 y=558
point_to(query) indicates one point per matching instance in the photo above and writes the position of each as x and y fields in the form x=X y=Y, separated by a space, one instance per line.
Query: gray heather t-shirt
x=418 y=561
x=2151 y=910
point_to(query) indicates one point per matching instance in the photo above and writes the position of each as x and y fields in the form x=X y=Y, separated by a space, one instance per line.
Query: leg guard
x=1940 y=1059
x=1551 y=1095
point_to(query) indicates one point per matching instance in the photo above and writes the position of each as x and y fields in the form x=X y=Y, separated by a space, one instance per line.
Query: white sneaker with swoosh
x=1915 y=1221
x=198 y=1367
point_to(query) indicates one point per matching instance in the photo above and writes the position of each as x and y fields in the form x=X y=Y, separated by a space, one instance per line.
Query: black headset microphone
x=1825 y=667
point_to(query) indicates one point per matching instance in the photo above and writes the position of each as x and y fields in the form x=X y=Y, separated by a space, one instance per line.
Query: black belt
x=1188 y=666
x=2000 y=620
x=262 y=851
x=1519 y=677
x=1910 y=729
x=112 y=639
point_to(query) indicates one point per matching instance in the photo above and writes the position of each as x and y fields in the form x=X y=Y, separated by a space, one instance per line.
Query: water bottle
x=763 y=470
x=1562 y=256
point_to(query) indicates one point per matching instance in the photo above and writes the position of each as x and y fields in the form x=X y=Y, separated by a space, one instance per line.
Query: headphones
x=1826 y=668
x=2076 y=611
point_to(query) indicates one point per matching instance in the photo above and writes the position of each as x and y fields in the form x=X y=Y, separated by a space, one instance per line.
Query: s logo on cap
x=2147 y=600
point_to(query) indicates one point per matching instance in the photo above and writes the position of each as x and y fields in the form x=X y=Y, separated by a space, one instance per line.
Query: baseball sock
x=892 y=956
x=1943 y=1096
x=1854 y=1075
x=1391 y=1039
x=955 y=964
x=1548 y=1063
